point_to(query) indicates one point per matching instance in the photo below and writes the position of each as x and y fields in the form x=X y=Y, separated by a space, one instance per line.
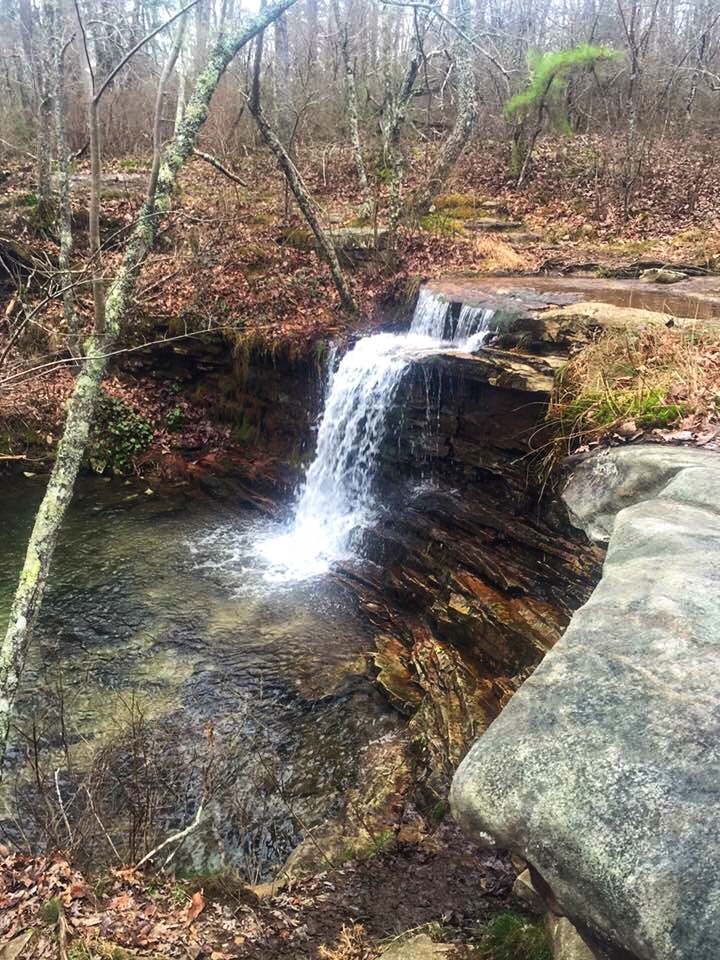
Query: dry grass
x=352 y=944
x=637 y=380
x=494 y=255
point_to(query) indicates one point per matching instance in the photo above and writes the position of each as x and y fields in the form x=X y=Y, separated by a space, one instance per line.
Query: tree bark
x=453 y=147
x=282 y=98
x=81 y=407
x=64 y=213
x=351 y=106
x=159 y=101
x=326 y=247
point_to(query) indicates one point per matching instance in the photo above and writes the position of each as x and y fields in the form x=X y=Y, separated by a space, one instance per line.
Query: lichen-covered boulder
x=603 y=771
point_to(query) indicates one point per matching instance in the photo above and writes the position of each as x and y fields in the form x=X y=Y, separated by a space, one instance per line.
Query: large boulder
x=603 y=771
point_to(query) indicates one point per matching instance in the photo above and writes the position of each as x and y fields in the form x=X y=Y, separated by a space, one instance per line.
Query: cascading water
x=338 y=498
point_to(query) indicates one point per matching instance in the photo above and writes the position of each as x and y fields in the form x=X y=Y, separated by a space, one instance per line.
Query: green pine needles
x=549 y=74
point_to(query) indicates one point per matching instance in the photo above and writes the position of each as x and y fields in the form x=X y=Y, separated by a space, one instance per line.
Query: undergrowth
x=634 y=381
x=510 y=936
x=119 y=435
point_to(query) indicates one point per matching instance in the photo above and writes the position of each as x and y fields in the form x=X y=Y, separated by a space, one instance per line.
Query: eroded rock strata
x=474 y=577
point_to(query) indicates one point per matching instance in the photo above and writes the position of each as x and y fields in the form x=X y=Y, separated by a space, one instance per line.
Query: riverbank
x=437 y=883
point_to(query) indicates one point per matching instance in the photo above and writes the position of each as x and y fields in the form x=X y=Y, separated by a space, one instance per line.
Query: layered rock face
x=603 y=771
x=473 y=582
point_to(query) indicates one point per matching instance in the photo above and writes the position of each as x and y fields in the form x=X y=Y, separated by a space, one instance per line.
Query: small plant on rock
x=119 y=435
x=510 y=936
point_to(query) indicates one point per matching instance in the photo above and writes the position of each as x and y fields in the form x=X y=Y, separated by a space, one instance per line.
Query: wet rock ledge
x=603 y=771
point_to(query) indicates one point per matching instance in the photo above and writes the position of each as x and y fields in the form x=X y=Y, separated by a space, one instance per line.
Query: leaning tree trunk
x=464 y=125
x=81 y=407
x=326 y=247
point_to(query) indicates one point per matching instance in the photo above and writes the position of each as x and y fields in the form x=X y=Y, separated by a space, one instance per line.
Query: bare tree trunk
x=180 y=106
x=202 y=28
x=81 y=407
x=453 y=147
x=352 y=109
x=35 y=47
x=392 y=132
x=690 y=103
x=159 y=101
x=313 y=31
x=532 y=140
x=98 y=283
x=64 y=213
x=282 y=80
x=326 y=247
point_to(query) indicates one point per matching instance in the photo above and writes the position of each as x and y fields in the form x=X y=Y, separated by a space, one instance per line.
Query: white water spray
x=338 y=498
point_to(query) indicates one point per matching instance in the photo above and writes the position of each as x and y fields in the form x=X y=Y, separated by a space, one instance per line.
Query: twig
x=62 y=930
x=18 y=149
x=214 y=162
x=175 y=838
x=62 y=807
x=101 y=824
x=141 y=43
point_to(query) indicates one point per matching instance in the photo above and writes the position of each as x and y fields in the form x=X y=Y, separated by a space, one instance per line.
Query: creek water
x=166 y=661
x=339 y=498
x=190 y=651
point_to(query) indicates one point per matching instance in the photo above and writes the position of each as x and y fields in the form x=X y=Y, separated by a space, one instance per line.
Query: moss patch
x=638 y=379
x=441 y=224
x=510 y=936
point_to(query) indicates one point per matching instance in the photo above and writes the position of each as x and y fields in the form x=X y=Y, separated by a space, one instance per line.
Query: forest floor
x=440 y=884
x=224 y=260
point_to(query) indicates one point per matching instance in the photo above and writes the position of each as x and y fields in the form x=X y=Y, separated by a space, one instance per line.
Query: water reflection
x=169 y=669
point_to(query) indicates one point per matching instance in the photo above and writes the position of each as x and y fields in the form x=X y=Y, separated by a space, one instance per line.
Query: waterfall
x=473 y=327
x=431 y=316
x=338 y=498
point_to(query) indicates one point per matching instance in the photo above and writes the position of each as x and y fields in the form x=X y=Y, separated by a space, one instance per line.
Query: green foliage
x=385 y=172
x=440 y=224
x=119 y=435
x=175 y=418
x=79 y=951
x=27 y=200
x=131 y=164
x=549 y=73
x=179 y=895
x=439 y=811
x=651 y=409
x=510 y=936
x=50 y=911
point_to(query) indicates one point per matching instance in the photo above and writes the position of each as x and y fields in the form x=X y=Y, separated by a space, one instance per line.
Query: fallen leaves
x=195 y=907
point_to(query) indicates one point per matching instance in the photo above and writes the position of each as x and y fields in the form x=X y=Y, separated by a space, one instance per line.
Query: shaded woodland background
x=663 y=85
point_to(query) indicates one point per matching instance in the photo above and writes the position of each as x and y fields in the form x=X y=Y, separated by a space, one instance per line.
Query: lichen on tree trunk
x=81 y=407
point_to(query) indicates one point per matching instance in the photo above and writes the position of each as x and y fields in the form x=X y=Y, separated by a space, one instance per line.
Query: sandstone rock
x=525 y=893
x=419 y=947
x=565 y=941
x=603 y=484
x=603 y=770
x=663 y=275
x=489 y=225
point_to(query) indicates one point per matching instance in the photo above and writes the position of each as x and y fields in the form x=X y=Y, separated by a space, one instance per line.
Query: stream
x=158 y=625
x=190 y=652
